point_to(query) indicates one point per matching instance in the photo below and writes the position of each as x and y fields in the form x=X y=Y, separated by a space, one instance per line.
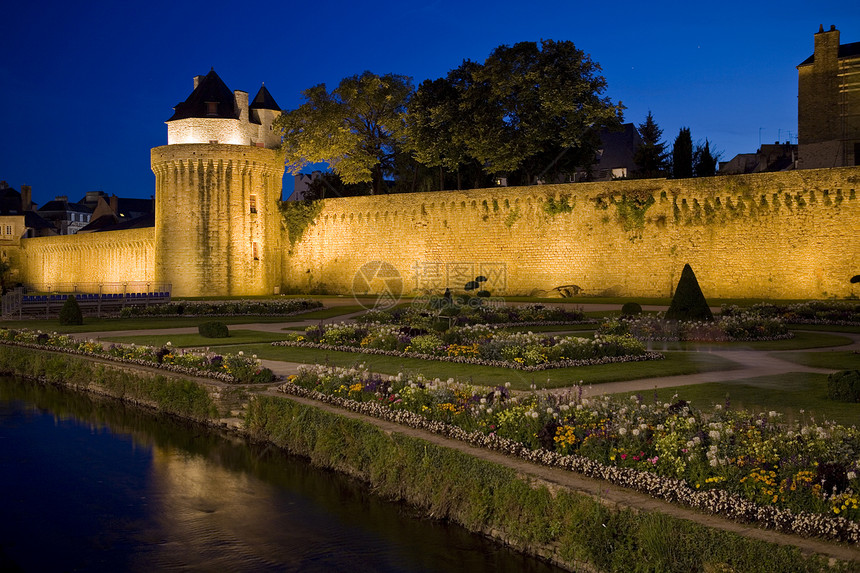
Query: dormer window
x=211 y=108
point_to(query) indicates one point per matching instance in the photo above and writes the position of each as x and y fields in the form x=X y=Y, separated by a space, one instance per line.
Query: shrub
x=71 y=312
x=844 y=386
x=689 y=303
x=213 y=329
x=631 y=309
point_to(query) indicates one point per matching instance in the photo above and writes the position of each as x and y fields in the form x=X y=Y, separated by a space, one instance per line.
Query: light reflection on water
x=95 y=486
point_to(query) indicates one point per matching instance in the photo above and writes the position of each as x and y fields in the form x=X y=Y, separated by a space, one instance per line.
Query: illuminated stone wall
x=217 y=227
x=777 y=235
x=91 y=258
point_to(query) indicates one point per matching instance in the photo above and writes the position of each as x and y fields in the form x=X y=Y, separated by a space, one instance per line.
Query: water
x=92 y=485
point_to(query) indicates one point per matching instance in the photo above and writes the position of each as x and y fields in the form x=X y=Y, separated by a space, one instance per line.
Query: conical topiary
x=70 y=313
x=689 y=303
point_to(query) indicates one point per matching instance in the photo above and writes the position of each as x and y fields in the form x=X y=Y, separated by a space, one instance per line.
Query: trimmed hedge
x=844 y=386
x=214 y=329
x=631 y=309
x=70 y=313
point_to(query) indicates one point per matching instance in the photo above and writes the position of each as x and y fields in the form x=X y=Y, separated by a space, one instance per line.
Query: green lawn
x=800 y=341
x=786 y=393
x=826 y=327
x=109 y=324
x=197 y=341
x=676 y=363
x=330 y=312
x=836 y=359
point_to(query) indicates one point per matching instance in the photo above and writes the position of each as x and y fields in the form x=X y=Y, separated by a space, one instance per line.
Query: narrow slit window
x=256 y=251
x=253 y=203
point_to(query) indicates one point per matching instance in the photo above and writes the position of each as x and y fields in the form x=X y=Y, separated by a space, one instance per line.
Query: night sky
x=86 y=86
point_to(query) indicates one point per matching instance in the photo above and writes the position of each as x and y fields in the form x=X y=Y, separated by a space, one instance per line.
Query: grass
x=800 y=341
x=330 y=312
x=798 y=395
x=197 y=341
x=676 y=363
x=826 y=327
x=837 y=359
x=111 y=324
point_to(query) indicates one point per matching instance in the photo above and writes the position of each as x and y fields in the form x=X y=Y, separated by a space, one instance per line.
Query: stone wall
x=217 y=227
x=91 y=258
x=776 y=235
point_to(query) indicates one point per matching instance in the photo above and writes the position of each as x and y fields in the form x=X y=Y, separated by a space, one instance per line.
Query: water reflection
x=94 y=485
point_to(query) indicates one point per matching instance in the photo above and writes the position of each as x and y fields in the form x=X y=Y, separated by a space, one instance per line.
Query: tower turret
x=217 y=186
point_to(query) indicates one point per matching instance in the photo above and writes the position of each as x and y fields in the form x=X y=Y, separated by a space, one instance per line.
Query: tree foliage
x=355 y=128
x=650 y=156
x=70 y=312
x=689 y=302
x=528 y=108
x=682 y=155
x=705 y=161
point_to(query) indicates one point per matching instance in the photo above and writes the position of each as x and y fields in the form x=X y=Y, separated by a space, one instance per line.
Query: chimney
x=63 y=198
x=197 y=80
x=114 y=204
x=4 y=185
x=242 y=104
x=26 y=198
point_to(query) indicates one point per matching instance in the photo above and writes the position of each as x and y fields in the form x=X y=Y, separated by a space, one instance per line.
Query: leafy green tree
x=705 y=161
x=356 y=128
x=650 y=156
x=527 y=109
x=70 y=313
x=682 y=155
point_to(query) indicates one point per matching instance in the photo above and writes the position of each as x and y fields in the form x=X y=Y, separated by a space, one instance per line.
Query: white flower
x=635 y=431
x=852 y=475
x=549 y=410
x=622 y=431
x=534 y=414
x=489 y=410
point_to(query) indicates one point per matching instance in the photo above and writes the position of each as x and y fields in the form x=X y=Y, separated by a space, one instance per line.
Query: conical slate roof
x=264 y=100
x=211 y=89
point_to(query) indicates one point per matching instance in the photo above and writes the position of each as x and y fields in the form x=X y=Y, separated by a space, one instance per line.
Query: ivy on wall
x=298 y=216
x=632 y=209
x=552 y=207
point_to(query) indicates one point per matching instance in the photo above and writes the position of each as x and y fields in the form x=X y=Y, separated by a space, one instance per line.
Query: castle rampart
x=774 y=235
x=91 y=258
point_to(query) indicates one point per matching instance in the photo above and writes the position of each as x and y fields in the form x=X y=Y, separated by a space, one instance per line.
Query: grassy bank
x=169 y=394
x=574 y=529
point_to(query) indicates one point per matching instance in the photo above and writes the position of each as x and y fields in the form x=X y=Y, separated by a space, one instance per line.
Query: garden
x=230 y=368
x=799 y=476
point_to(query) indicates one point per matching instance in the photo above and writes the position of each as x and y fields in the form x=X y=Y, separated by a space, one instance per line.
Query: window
x=255 y=250
x=8 y=229
x=253 y=203
x=211 y=108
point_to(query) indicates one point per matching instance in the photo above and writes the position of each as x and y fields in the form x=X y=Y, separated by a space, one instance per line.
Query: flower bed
x=224 y=308
x=812 y=312
x=742 y=326
x=479 y=344
x=439 y=313
x=230 y=368
x=799 y=478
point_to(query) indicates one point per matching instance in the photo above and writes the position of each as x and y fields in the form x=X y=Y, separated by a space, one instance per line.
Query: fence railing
x=94 y=298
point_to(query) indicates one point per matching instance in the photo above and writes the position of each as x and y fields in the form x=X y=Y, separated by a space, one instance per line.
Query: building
x=828 y=103
x=614 y=157
x=67 y=218
x=769 y=157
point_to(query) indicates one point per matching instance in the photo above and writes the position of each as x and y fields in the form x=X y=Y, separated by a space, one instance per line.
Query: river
x=94 y=485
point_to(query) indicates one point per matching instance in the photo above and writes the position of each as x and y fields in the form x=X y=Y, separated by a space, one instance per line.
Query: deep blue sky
x=86 y=86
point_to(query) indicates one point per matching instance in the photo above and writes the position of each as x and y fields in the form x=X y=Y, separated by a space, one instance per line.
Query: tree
x=527 y=109
x=682 y=155
x=651 y=154
x=705 y=162
x=70 y=312
x=689 y=302
x=355 y=128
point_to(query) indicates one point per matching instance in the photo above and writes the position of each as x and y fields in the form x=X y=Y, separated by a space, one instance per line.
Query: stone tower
x=828 y=103
x=217 y=186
